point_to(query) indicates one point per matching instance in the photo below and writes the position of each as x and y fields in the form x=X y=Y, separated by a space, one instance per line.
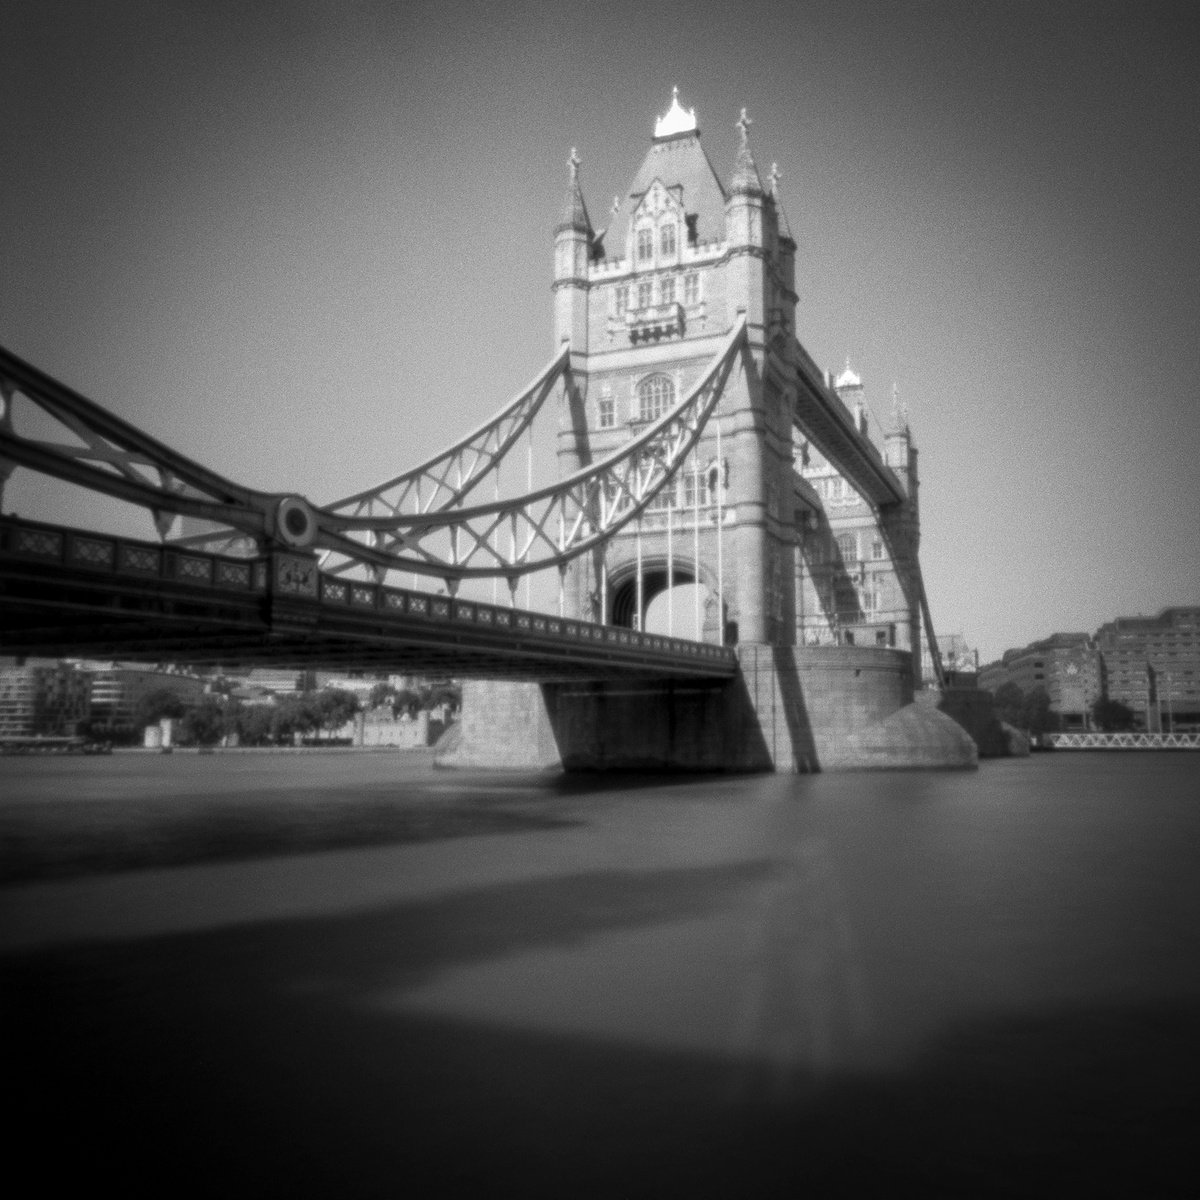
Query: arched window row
x=690 y=489
x=663 y=237
x=646 y=293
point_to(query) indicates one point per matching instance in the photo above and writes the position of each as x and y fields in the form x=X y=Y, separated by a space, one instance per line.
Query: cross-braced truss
x=445 y=480
x=416 y=522
x=550 y=526
x=97 y=450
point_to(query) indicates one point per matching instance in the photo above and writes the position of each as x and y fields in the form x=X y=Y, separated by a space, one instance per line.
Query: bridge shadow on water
x=49 y=838
x=260 y=1061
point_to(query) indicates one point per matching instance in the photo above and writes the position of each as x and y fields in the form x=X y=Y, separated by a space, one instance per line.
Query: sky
x=310 y=244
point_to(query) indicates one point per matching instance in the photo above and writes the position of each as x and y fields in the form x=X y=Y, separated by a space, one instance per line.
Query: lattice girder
x=559 y=522
x=116 y=458
x=440 y=537
x=113 y=457
x=446 y=479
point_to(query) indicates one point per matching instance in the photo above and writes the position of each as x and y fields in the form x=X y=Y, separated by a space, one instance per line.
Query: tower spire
x=574 y=211
x=745 y=176
x=899 y=410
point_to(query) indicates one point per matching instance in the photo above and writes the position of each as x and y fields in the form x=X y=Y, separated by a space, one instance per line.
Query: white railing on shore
x=1122 y=741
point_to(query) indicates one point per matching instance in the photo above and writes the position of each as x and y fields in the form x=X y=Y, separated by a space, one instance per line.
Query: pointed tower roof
x=574 y=211
x=745 y=179
x=677 y=159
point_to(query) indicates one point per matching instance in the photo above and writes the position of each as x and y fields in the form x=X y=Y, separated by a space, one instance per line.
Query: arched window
x=655 y=395
x=847 y=545
x=645 y=244
x=667 y=242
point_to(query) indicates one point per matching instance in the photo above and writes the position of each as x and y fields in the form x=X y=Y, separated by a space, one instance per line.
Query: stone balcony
x=655 y=322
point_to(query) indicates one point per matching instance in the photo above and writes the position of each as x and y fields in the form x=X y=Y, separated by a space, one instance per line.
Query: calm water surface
x=967 y=984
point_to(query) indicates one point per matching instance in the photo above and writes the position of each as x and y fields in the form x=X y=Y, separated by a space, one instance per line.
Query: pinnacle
x=745 y=176
x=899 y=410
x=574 y=212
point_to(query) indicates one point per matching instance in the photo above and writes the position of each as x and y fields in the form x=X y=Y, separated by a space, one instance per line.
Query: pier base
x=790 y=709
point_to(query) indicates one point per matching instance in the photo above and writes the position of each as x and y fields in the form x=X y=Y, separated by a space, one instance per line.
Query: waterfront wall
x=382 y=728
x=790 y=709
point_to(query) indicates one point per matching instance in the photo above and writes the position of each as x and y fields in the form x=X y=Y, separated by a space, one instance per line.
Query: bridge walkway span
x=74 y=592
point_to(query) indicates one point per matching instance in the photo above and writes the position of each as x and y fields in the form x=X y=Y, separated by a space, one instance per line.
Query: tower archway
x=669 y=603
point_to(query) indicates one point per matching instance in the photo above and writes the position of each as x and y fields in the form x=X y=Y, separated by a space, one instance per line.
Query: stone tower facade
x=645 y=302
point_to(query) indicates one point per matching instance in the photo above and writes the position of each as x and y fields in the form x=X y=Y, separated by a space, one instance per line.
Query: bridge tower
x=820 y=593
x=645 y=302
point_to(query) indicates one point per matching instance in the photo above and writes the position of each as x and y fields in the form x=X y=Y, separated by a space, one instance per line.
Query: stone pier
x=790 y=709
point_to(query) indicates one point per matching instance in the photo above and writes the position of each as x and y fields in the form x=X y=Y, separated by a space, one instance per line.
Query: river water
x=981 y=983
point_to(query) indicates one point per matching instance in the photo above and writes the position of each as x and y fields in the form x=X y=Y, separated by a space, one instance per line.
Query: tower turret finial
x=745 y=173
x=899 y=410
x=677 y=119
x=574 y=211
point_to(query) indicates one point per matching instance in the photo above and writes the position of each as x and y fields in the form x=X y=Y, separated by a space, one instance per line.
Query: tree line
x=314 y=714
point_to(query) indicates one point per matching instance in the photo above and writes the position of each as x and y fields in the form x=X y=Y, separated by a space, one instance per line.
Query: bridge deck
x=73 y=592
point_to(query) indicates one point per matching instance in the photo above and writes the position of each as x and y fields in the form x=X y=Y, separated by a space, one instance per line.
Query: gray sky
x=309 y=243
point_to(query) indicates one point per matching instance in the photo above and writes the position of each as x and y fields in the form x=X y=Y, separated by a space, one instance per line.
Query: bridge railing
x=482 y=616
x=127 y=557
x=1122 y=741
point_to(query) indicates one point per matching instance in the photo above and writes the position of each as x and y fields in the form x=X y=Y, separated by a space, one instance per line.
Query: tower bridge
x=699 y=447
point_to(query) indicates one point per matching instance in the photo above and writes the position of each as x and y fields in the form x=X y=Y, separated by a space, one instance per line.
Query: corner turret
x=573 y=238
x=899 y=452
x=744 y=232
